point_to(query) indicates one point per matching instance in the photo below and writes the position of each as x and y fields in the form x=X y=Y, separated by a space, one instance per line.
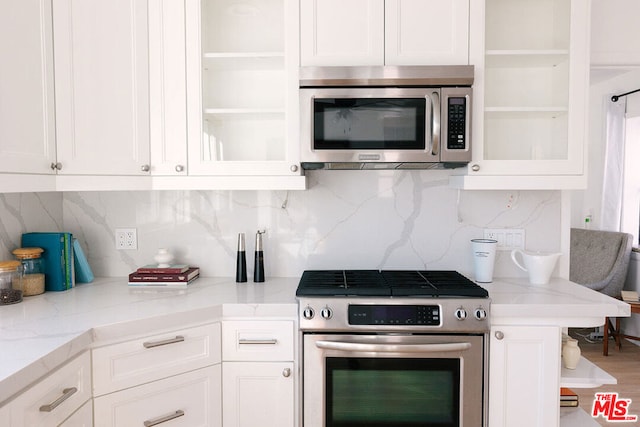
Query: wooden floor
x=623 y=365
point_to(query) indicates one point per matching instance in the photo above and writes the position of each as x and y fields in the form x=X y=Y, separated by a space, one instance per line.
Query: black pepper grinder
x=258 y=268
x=241 y=260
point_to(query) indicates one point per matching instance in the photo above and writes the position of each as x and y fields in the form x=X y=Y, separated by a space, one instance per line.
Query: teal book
x=83 y=271
x=57 y=255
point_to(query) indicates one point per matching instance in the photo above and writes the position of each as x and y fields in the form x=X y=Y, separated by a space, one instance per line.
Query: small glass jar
x=10 y=282
x=33 y=270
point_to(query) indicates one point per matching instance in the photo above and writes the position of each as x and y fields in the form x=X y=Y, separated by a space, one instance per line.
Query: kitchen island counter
x=44 y=331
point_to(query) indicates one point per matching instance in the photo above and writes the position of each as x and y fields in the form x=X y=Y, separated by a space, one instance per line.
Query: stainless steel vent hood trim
x=309 y=166
x=427 y=75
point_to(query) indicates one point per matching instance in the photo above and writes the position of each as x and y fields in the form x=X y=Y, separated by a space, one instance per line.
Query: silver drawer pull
x=270 y=341
x=66 y=393
x=164 y=418
x=151 y=344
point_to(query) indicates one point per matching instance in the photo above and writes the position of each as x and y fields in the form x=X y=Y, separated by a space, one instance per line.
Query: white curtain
x=613 y=180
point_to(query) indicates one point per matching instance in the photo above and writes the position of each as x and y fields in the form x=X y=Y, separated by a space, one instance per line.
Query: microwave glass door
x=369 y=123
x=392 y=392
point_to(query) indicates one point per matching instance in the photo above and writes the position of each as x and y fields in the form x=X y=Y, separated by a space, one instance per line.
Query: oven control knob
x=460 y=313
x=326 y=313
x=308 y=313
x=480 y=313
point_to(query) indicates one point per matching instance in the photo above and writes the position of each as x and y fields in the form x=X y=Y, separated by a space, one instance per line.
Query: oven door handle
x=393 y=348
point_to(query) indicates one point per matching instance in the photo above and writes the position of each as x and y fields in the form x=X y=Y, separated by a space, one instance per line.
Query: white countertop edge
x=121 y=313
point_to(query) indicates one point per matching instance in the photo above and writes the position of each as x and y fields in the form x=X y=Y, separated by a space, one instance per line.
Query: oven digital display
x=421 y=315
x=383 y=392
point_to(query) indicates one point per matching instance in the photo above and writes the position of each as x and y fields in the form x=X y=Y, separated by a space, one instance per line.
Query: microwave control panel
x=457 y=118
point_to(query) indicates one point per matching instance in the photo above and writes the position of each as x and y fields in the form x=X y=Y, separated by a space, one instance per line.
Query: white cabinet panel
x=338 y=32
x=425 y=32
x=258 y=394
x=615 y=33
x=53 y=399
x=519 y=394
x=384 y=32
x=27 y=119
x=83 y=417
x=147 y=359
x=192 y=399
x=167 y=87
x=102 y=86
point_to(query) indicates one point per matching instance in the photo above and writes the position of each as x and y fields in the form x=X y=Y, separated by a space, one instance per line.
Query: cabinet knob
x=499 y=335
x=179 y=168
x=294 y=168
x=145 y=168
x=56 y=166
x=475 y=167
x=286 y=372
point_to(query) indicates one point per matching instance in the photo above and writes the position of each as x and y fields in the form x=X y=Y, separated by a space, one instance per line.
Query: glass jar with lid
x=10 y=282
x=33 y=270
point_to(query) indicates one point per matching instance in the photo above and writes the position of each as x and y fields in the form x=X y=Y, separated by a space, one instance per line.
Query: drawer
x=268 y=340
x=140 y=361
x=54 y=398
x=192 y=399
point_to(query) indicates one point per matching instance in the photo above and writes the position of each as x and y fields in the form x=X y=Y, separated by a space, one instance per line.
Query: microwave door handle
x=393 y=348
x=435 y=123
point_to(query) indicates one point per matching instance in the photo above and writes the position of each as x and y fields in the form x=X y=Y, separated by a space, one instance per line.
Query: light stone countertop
x=46 y=330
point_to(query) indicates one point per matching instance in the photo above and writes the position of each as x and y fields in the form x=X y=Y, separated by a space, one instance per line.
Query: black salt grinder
x=258 y=269
x=241 y=260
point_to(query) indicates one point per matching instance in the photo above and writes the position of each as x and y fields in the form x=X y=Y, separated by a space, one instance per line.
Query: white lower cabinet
x=83 y=417
x=258 y=373
x=524 y=376
x=258 y=394
x=191 y=399
x=53 y=399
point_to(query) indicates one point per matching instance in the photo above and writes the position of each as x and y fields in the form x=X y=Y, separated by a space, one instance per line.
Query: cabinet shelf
x=524 y=112
x=517 y=58
x=246 y=112
x=243 y=60
x=586 y=375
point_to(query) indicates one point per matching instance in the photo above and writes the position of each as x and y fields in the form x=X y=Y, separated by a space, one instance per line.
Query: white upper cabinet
x=615 y=33
x=27 y=119
x=242 y=87
x=384 y=32
x=167 y=87
x=530 y=93
x=102 y=86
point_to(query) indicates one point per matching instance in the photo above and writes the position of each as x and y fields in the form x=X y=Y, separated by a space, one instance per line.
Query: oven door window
x=389 y=392
x=369 y=123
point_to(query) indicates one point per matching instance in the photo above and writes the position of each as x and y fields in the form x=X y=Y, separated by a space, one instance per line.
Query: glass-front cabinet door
x=242 y=65
x=530 y=91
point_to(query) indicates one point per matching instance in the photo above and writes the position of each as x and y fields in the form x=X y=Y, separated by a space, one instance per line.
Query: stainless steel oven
x=393 y=361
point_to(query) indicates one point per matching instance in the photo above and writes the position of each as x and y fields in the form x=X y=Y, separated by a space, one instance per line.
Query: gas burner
x=397 y=283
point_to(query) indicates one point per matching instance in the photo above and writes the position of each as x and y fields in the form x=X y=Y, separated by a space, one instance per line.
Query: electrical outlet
x=126 y=238
x=508 y=238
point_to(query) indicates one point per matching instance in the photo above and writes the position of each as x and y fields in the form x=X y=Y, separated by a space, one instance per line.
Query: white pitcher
x=539 y=265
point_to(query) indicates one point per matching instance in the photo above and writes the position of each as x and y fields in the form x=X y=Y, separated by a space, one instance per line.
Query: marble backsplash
x=346 y=219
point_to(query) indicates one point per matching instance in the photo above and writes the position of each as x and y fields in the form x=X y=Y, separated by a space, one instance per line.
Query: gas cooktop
x=374 y=283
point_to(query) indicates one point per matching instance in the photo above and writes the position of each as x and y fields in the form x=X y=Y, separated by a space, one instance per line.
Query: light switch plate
x=508 y=238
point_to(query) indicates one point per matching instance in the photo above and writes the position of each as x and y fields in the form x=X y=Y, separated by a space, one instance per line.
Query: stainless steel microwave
x=385 y=117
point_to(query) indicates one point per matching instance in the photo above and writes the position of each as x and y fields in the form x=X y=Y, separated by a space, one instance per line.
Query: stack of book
x=174 y=276
x=568 y=397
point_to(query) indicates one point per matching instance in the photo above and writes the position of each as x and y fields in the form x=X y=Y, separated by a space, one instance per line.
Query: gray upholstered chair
x=599 y=260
